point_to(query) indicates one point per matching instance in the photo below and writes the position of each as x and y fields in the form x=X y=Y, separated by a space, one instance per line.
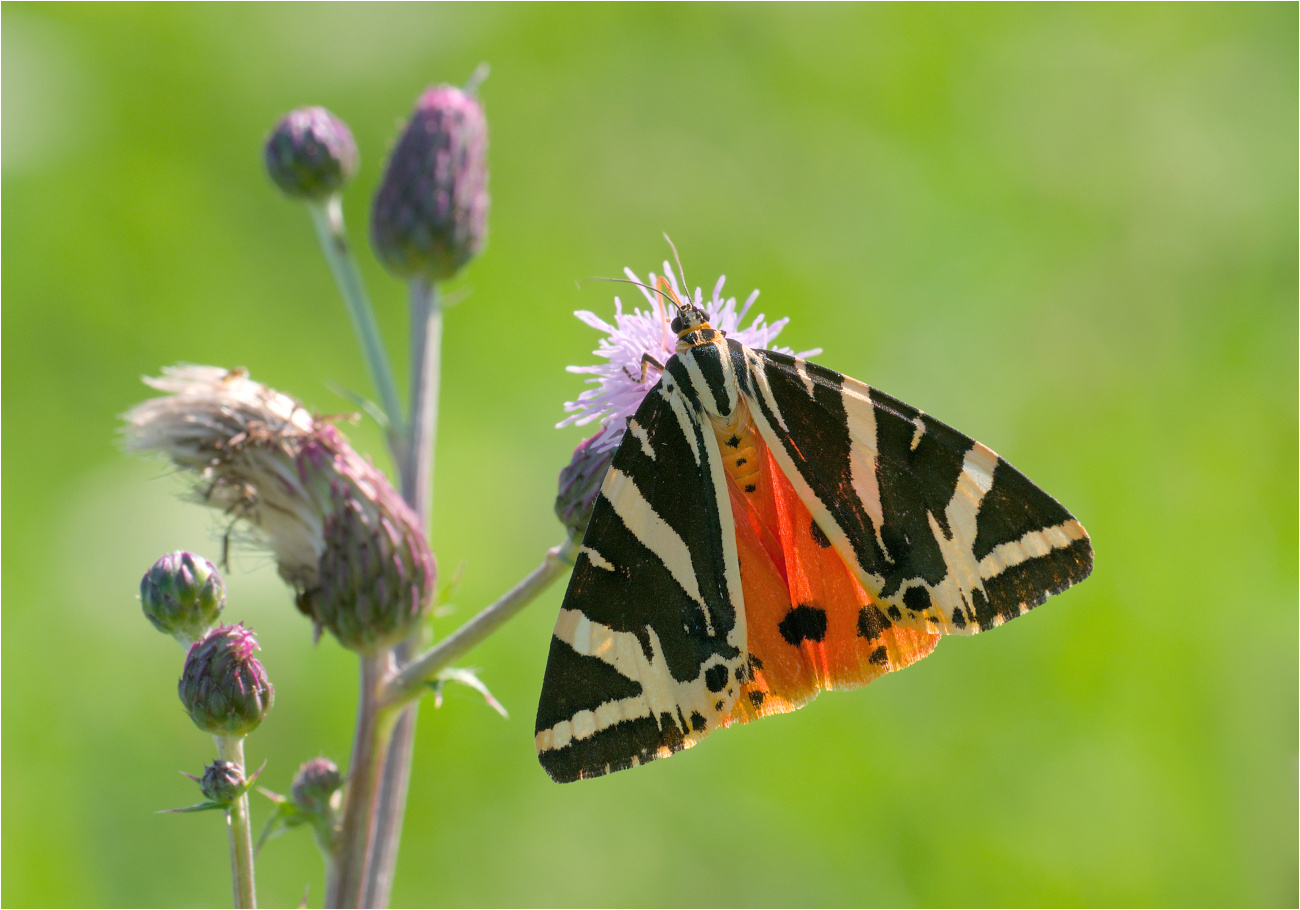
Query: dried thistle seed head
x=429 y=217
x=353 y=551
x=223 y=782
x=580 y=484
x=317 y=787
x=183 y=595
x=224 y=687
x=311 y=153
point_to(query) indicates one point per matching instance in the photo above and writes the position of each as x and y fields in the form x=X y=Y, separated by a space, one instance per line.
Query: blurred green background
x=1068 y=230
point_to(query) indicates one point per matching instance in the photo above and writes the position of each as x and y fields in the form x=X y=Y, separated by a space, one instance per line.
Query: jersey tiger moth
x=769 y=528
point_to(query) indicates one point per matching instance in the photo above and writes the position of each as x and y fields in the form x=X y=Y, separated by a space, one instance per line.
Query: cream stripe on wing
x=864 y=448
x=1031 y=546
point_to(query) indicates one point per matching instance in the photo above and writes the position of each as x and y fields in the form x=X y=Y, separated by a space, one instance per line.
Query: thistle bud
x=376 y=571
x=223 y=782
x=223 y=686
x=311 y=153
x=580 y=484
x=317 y=787
x=183 y=595
x=429 y=217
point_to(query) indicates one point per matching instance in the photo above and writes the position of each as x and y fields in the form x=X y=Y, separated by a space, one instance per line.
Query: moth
x=769 y=528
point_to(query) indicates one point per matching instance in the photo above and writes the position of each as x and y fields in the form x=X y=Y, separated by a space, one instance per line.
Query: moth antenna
x=666 y=294
x=680 y=271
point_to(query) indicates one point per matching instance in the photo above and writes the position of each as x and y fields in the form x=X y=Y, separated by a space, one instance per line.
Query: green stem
x=239 y=827
x=417 y=489
x=348 y=886
x=410 y=680
x=426 y=375
x=327 y=217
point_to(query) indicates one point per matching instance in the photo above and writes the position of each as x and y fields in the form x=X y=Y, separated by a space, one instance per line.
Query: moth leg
x=646 y=362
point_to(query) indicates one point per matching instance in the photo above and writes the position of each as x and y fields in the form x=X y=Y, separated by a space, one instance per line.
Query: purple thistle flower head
x=429 y=216
x=353 y=551
x=224 y=687
x=311 y=153
x=617 y=384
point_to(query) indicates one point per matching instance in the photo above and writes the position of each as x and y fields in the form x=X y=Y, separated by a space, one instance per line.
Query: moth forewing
x=935 y=524
x=649 y=649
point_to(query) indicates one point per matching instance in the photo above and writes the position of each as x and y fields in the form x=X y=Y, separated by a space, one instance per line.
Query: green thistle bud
x=376 y=571
x=223 y=686
x=317 y=788
x=311 y=153
x=223 y=782
x=579 y=485
x=429 y=217
x=183 y=595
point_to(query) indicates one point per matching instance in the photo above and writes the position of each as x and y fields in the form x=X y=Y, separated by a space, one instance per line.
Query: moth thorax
x=696 y=337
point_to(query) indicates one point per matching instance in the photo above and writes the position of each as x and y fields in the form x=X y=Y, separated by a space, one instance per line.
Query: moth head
x=689 y=317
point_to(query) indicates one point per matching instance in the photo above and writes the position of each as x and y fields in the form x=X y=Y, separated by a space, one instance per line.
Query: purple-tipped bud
x=223 y=782
x=317 y=788
x=429 y=217
x=376 y=571
x=580 y=484
x=311 y=153
x=182 y=595
x=223 y=686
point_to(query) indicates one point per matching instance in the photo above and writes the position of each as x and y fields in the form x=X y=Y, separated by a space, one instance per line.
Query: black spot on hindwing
x=872 y=623
x=803 y=623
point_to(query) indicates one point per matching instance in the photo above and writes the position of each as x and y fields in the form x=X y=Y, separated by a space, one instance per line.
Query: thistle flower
x=317 y=788
x=224 y=687
x=223 y=782
x=429 y=217
x=311 y=153
x=353 y=551
x=618 y=386
x=183 y=595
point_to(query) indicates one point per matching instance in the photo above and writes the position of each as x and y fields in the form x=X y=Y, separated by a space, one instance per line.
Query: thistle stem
x=417 y=489
x=348 y=886
x=239 y=828
x=327 y=218
x=410 y=680
x=426 y=375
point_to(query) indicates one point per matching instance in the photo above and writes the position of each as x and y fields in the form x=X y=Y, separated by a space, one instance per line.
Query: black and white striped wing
x=951 y=536
x=650 y=646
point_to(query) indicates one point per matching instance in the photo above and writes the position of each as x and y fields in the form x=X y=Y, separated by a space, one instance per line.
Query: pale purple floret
x=616 y=387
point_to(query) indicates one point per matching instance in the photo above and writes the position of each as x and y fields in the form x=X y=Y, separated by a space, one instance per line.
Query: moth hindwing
x=768 y=529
